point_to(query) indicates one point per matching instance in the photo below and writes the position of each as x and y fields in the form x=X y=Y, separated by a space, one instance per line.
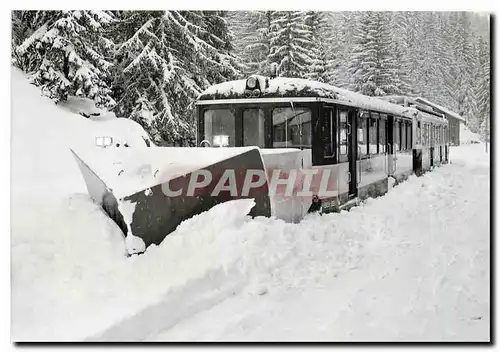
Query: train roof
x=440 y=108
x=283 y=87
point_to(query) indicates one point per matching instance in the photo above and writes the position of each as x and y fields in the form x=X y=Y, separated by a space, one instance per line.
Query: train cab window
x=253 y=127
x=342 y=135
x=219 y=127
x=292 y=128
x=373 y=127
x=363 y=133
x=381 y=135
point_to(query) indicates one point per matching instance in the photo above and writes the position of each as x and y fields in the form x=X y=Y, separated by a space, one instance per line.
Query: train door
x=446 y=143
x=391 y=152
x=440 y=143
x=354 y=156
x=431 y=143
x=347 y=146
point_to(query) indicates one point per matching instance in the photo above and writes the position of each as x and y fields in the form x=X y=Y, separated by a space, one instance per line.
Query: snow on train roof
x=440 y=108
x=282 y=87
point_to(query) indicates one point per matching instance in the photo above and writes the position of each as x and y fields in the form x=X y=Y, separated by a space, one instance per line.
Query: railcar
x=363 y=140
x=358 y=145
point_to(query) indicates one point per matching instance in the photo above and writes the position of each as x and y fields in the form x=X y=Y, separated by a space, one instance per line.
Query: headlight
x=221 y=140
x=251 y=82
x=103 y=141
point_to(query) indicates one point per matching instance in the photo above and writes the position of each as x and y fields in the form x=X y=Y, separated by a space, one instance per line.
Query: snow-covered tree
x=463 y=66
x=372 y=63
x=164 y=60
x=320 y=61
x=68 y=54
x=341 y=32
x=483 y=89
x=251 y=29
x=290 y=43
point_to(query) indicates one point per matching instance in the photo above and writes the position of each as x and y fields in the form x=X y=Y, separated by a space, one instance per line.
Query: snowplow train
x=293 y=145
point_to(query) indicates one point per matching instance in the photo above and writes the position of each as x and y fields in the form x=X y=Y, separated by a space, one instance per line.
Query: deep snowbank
x=412 y=265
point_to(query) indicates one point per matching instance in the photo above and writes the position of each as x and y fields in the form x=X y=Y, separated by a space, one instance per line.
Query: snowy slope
x=413 y=264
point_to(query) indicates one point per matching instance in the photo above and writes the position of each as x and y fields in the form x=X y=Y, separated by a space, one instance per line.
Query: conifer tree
x=68 y=54
x=372 y=62
x=252 y=30
x=166 y=60
x=316 y=24
x=290 y=43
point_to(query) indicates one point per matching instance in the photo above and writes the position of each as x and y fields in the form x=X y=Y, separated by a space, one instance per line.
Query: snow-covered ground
x=411 y=265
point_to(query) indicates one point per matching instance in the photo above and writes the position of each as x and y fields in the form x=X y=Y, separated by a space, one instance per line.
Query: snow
x=282 y=86
x=79 y=105
x=411 y=265
x=467 y=136
x=441 y=109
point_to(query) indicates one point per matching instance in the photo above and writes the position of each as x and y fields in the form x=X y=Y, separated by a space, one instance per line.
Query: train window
x=292 y=128
x=220 y=127
x=403 y=135
x=422 y=133
x=342 y=136
x=381 y=136
x=425 y=134
x=409 y=136
x=373 y=127
x=363 y=134
x=253 y=127
x=328 y=133
x=419 y=133
x=397 y=134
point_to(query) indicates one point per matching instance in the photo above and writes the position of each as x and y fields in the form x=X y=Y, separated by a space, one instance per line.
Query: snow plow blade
x=135 y=187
